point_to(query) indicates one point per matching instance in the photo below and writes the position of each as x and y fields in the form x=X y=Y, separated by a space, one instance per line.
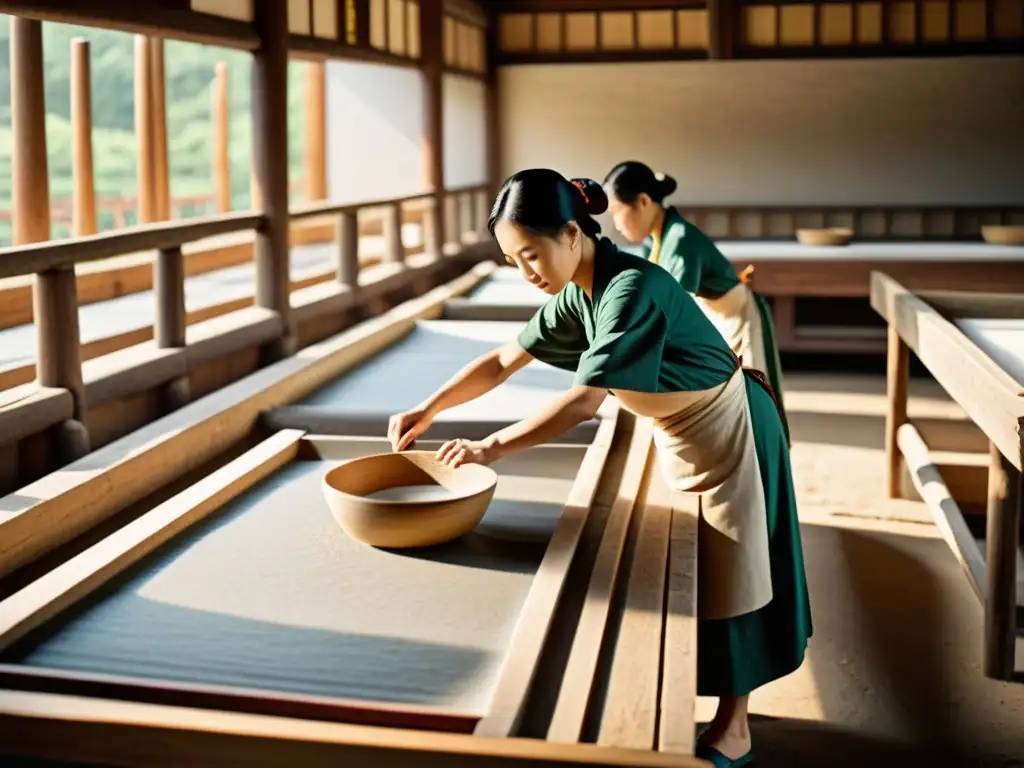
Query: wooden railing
x=62 y=393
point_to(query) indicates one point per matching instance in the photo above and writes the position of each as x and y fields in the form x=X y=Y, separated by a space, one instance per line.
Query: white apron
x=737 y=318
x=705 y=444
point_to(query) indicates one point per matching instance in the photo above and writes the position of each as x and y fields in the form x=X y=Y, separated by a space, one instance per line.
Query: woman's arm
x=477 y=378
x=574 y=407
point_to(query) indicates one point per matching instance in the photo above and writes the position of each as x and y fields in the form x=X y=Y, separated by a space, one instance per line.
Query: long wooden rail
x=177 y=348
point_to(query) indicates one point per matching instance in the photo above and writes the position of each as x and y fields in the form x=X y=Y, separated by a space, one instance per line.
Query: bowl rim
x=491 y=474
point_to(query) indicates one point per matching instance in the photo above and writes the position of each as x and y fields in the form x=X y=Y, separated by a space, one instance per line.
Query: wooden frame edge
x=629 y=716
x=82 y=494
x=570 y=710
x=527 y=642
x=128 y=734
x=990 y=396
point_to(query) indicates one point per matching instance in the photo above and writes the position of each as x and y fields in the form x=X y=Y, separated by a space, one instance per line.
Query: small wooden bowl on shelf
x=407 y=499
x=1003 y=235
x=825 y=236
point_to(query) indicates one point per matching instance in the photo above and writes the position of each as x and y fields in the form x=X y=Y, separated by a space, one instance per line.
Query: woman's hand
x=404 y=428
x=455 y=453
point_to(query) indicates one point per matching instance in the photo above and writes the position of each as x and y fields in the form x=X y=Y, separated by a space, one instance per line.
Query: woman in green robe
x=626 y=327
x=636 y=201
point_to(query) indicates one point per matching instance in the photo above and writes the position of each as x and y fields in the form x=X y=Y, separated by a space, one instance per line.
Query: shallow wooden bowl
x=1003 y=235
x=457 y=502
x=826 y=236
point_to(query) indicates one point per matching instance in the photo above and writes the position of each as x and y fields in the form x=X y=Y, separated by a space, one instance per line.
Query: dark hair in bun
x=544 y=202
x=629 y=179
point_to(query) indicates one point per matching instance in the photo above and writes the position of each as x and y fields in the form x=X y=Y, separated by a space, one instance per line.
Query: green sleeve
x=629 y=339
x=555 y=334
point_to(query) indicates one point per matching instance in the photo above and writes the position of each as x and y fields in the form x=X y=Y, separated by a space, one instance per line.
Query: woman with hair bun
x=636 y=200
x=625 y=326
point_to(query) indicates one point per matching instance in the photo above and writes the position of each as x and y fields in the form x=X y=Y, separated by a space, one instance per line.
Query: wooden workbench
x=973 y=345
x=800 y=280
x=235 y=620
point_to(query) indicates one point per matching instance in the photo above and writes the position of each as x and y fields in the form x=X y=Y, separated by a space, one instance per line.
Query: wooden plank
x=948 y=517
x=165 y=19
x=676 y=727
x=69 y=501
x=989 y=395
x=227 y=698
x=534 y=622
x=130 y=734
x=630 y=715
x=56 y=254
x=62 y=587
x=29 y=408
x=578 y=680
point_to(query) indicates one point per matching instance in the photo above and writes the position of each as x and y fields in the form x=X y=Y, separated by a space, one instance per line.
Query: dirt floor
x=893 y=674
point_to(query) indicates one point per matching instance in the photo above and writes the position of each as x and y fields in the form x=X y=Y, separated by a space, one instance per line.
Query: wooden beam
x=221 y=134
x=54 y=295
x=492 y=102
x=578 y=681
x=161 y=172
x=1002 y=534
x=168 y=18
x=64 y=254
x=721 y=29
x=432 y=67
x=931 y=486
x=531 y=632
x=136 y=735
x=145 y=130
x=270 y=165
x=897 y=379
x=84 y=191
x=316 y=131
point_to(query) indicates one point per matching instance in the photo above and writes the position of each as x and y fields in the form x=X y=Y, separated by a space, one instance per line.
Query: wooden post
x=1002 y=532
x=394 y=251
x=169 y=327
x=897 y=375
x=270 y=167
x=492 y=125
x=83 y=217
x=55 y=304
x=144 y=128
x=221 y=156
x=316 y=117
x=432 y=67
x=161 y=175
x=347 y=267
x=721 y=23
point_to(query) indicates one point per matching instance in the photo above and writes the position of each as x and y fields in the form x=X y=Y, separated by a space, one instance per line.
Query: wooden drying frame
x=648 y=551
x=994 y=401
x=45 y=599
x=71 y=500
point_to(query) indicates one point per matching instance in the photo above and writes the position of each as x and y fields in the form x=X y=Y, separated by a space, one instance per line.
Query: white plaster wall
x=465 y=138
x=374 y=131
x=925 y=131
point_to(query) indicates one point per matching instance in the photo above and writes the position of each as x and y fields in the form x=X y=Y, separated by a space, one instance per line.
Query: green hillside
x=189 y=73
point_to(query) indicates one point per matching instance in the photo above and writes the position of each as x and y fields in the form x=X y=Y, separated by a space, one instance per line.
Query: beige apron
x=705 y=444
x=736 y=316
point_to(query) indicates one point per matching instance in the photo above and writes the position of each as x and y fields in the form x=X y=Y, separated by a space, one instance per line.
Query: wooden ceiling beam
x=562 y=6
x=161 y=18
